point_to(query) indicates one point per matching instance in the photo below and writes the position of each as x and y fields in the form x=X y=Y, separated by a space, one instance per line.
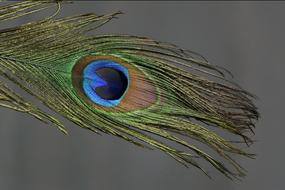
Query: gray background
x=245 y=37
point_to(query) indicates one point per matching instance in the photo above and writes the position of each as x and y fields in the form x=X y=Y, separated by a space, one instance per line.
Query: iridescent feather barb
x=149 y=93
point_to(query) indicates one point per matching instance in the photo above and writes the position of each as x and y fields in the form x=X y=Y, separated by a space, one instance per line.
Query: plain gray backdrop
x=247 y=38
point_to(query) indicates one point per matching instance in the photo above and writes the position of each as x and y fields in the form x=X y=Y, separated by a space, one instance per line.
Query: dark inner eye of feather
x=116 y=86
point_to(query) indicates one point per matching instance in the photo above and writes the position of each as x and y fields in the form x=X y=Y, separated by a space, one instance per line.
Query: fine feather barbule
x=146 y=92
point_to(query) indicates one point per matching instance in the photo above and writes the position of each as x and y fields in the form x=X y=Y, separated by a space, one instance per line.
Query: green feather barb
x=190 y=100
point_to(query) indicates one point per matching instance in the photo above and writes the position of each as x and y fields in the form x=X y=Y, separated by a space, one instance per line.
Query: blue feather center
x=105 y=82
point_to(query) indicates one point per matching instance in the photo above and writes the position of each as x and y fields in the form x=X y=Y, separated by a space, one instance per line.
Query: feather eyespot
x=110 y=83
x=105 y=82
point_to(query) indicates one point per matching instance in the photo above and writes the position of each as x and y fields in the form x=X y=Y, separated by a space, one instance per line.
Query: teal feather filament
x=144 y=91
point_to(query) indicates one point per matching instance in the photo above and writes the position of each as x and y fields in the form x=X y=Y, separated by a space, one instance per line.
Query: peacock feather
x=149 y=93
